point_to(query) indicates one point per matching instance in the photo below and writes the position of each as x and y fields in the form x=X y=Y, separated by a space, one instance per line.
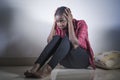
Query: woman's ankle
x=35 y=67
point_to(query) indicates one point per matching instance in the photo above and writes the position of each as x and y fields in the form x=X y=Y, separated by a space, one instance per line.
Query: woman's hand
x=68 y=15
x=49 y=38
x=72 y=36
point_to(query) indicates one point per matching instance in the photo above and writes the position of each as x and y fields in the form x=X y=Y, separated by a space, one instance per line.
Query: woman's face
x=61 y=21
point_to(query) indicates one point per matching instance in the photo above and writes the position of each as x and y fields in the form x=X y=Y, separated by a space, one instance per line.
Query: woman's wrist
x=70 y=23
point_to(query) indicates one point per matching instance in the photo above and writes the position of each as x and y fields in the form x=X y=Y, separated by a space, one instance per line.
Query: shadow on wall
x=6 y=14
x=113 y=38
x=21 y=48
x=14 y=42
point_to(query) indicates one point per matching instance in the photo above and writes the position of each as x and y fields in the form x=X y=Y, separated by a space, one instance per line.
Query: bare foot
x=43 y=73
x=34 y=68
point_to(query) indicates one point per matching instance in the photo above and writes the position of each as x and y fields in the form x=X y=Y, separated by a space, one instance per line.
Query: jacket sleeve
x=84 y=42
x=82 y=33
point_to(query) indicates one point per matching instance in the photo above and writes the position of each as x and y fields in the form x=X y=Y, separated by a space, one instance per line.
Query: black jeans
x=62 y=52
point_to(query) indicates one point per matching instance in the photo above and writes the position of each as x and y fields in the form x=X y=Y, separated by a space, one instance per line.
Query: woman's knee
x=55 y=38
x=65 y=39
x=65 y=43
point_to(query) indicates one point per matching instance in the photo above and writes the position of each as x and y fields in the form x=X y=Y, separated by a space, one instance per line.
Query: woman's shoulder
x=79 y=22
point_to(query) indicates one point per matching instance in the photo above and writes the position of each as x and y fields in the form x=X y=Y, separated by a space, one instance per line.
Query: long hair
x=61 y=10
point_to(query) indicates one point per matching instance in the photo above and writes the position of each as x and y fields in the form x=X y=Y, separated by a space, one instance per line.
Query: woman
x=68 y=45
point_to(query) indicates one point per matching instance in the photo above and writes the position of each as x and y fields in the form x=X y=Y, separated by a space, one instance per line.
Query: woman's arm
x=52 y=33
x=72 y=36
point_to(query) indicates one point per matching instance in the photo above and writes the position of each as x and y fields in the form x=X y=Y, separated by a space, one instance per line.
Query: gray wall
x=25 y=24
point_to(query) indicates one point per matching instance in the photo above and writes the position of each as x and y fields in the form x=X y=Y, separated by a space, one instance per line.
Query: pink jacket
x=81 y=31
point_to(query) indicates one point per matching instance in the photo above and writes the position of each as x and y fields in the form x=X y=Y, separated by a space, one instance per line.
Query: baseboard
x=17 y=61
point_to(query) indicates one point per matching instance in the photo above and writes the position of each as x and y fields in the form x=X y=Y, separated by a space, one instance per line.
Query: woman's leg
x=59 y=54
x=77 y=58
x=46 y=53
